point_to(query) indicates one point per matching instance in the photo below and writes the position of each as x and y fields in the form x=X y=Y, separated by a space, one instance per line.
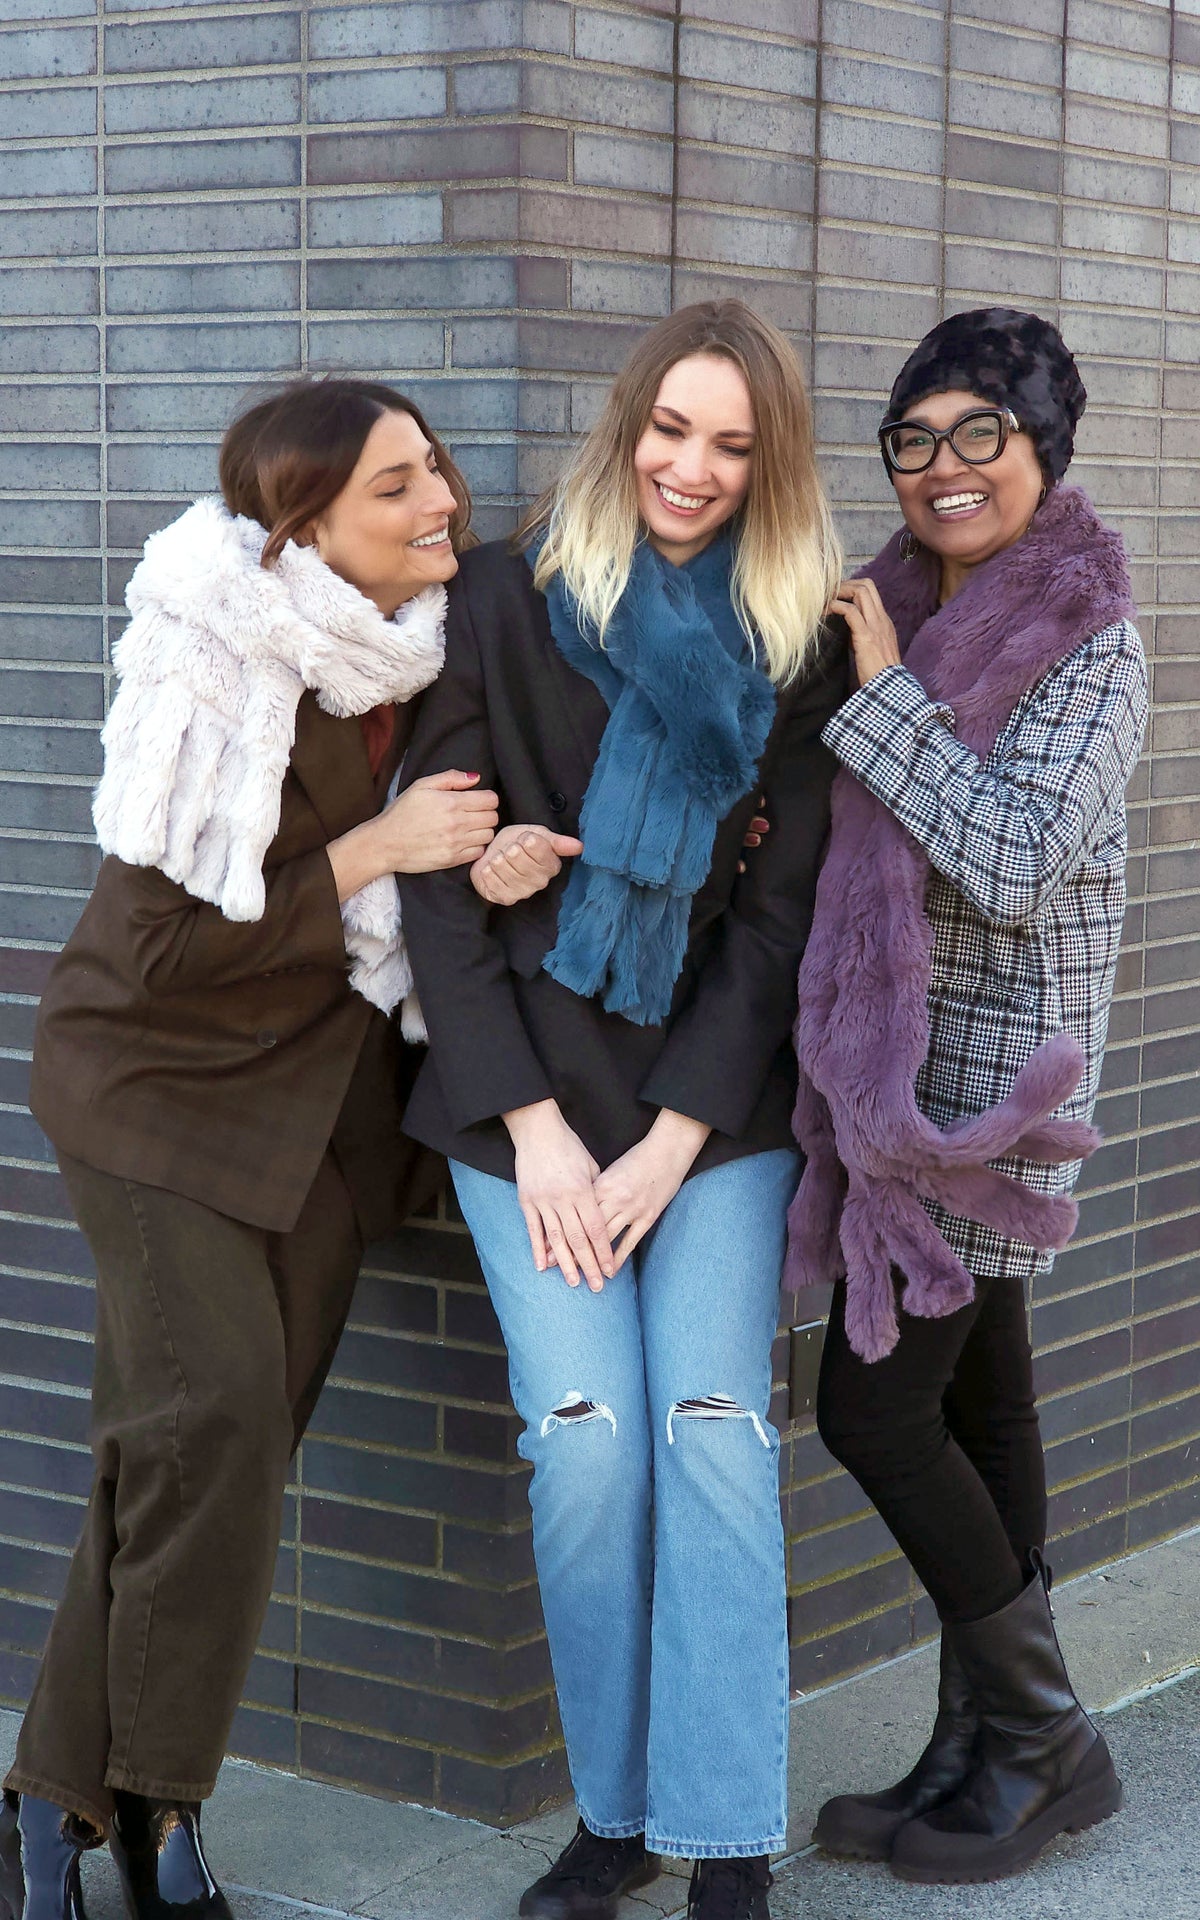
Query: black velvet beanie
x=1012 y=359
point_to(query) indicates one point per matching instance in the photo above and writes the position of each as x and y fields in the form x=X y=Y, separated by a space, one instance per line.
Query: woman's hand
x=755 y=831
x=872 y=634
x=444 y=820
x=555 y=1176
x=638 y=1187
x=520 y=862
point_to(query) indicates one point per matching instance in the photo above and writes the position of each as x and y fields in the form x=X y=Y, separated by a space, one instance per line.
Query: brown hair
x=787 y=556
x=285 y=460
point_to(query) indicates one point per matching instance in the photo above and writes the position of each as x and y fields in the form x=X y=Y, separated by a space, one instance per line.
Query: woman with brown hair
x=611 y=1075
x=217 y=1070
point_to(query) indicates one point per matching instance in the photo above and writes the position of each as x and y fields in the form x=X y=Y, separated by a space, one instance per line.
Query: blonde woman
x=611 y=1077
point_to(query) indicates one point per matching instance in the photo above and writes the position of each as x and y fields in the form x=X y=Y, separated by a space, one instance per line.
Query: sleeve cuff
x=870 y=717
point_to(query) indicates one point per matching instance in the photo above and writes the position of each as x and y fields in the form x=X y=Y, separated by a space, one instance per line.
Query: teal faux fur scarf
x=689 y=715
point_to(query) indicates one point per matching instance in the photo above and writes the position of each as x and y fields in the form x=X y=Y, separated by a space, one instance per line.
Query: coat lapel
x=329 y=759
x=582 y=708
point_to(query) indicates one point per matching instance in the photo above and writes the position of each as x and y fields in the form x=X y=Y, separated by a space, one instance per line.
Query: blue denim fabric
x=656 y=1525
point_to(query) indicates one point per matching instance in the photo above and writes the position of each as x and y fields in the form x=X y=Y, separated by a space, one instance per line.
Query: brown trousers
x=213 y=1340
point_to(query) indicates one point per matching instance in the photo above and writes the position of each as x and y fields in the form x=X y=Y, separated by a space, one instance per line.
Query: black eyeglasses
x=909 y=446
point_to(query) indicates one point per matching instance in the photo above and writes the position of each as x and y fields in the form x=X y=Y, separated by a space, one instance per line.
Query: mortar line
x=102 y=328
x=676 y=29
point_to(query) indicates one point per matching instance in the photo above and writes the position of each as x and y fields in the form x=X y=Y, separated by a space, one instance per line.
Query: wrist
x=678 y=1135
x=526 y=1123
x=352 y=858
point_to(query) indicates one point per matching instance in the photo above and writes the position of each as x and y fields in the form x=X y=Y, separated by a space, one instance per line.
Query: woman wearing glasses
x=954 y=1000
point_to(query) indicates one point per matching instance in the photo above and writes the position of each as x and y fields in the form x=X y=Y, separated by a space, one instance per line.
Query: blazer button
x=266 y=1036
x=557 y=802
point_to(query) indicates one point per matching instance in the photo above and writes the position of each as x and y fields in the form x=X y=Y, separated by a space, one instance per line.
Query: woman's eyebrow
x=722 y=433
x=402 y=466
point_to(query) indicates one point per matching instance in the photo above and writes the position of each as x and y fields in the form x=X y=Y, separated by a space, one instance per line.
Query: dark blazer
x=218 y=1059
x=502 y=1032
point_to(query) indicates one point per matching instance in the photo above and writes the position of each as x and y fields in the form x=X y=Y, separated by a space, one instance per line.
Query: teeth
x=681 y=499
x=430 y=539
x=951 y=502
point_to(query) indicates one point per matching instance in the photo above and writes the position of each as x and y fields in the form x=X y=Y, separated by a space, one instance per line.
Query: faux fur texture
x=863 y=1026
x=212 y=667
x=690 y=712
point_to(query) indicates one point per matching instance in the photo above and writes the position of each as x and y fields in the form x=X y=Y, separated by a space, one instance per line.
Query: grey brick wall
x=485 y=200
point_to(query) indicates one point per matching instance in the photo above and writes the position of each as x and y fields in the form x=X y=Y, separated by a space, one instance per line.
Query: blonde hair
x=787 y=557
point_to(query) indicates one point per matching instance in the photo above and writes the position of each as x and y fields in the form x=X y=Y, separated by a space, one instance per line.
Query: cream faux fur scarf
x=212 y=667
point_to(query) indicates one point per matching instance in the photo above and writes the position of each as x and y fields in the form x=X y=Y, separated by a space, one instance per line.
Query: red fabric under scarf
x=378 y=731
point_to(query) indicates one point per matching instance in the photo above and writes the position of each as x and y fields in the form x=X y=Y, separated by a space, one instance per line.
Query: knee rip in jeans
x=713 y=1406
x=573 y=1411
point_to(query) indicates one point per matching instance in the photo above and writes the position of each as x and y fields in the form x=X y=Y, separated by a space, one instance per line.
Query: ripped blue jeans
x=655 y=1497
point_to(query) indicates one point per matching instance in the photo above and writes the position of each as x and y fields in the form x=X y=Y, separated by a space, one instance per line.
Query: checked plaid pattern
x=1027 y=893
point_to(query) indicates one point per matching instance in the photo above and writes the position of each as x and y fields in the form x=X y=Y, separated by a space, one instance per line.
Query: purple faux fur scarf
x=862 y=1032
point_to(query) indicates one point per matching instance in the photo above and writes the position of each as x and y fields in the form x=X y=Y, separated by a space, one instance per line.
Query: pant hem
x=69 y=1798
x=611 y=1829
x=123 y=1780
x=714 y=1850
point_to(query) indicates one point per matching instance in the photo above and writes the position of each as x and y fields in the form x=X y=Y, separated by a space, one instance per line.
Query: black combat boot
x=589 y=1877
x=730 y=1889
x=1041 y=1769
x=863 y=1826
x=160 y=1859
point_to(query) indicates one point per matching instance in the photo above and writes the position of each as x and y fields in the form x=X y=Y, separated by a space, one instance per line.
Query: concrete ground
x=285 y=1848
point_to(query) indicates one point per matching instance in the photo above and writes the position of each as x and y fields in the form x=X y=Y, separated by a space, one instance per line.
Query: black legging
x=943 y=1437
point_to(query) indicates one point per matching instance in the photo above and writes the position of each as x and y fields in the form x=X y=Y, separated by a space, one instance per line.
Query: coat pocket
x=976 y=1049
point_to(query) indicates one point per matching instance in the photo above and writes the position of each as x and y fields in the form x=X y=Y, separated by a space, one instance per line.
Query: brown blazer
x=219 y=1059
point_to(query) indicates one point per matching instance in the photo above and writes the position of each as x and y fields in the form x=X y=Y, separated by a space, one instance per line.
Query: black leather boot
x=12 y=1882
x=589 y=1877
x=40 y=1845
x=160 y=1860
x=730 y=1889
x=1042 y=1768
x=863 y=1826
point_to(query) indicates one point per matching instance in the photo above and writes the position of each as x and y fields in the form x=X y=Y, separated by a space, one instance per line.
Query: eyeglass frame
x=1009 y=424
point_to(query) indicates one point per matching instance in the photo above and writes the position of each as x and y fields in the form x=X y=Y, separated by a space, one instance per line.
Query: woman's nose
x=946 y=460
x=440 y=499
x=691 y=462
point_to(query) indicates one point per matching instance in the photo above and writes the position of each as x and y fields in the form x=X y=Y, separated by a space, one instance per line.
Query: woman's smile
x=440 y=537
x=959 y=506
x=682 y=503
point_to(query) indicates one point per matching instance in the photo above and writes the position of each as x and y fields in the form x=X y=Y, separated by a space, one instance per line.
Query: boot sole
x=1077 y=1811
x=852 y=1850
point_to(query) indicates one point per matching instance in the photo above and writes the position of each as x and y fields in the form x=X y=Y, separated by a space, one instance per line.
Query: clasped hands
x=584 y=1221
x=448 y=820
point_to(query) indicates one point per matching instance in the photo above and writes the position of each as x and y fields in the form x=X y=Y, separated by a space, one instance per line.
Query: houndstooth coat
x=1027 y=894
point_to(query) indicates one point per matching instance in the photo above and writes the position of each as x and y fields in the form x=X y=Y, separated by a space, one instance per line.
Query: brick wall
x=485 y=200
